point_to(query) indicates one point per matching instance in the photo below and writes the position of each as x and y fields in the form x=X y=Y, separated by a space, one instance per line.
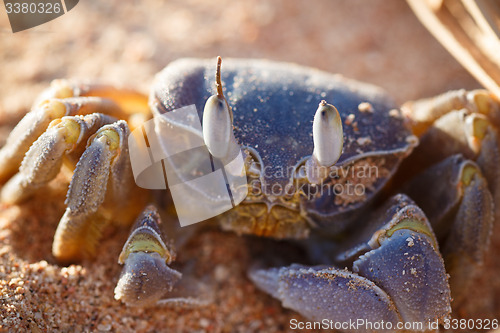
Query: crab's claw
x=397 y=276
x=146 y=278
x=327 y=293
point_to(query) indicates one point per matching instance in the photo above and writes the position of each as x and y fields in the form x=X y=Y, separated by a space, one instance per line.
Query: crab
x=394 y=230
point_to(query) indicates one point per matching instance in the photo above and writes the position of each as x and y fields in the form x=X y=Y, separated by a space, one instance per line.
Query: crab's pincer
x=147 y=279
x=146 y=276
x=397 y=275
x=327 y=293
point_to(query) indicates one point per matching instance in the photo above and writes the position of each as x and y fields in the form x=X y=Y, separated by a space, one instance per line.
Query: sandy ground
x=126 y=43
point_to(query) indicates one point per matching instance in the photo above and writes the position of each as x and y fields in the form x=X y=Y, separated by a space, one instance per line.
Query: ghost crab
x=391 y=247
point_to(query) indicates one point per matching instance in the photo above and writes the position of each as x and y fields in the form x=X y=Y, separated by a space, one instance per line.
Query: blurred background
x=127 y=42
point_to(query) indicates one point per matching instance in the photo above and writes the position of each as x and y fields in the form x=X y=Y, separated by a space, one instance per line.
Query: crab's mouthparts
x=261 y=219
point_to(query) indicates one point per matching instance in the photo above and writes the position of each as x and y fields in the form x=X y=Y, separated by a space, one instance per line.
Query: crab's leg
x=129 y=100
x=398 y=275
x=44 y=159
x=422 y=114
x=102 y=180
x=462 y=123
x=461 y=210
x=36 y=122
x=68 y=98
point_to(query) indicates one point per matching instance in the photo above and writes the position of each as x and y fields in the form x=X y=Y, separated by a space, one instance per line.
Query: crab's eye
x=217 y=126
x=328 y=135
x=218 y=122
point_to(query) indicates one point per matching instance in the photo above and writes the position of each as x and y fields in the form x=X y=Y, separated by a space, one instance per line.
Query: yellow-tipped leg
x=462 y=212
x=422 y=114
x=25 y=133
x=36 y=122
x=69 y=98
x=43 y=160
x=102 y=178
x=129 y=100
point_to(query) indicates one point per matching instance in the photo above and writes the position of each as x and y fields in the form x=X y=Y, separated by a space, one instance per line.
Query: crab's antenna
x=218 y=82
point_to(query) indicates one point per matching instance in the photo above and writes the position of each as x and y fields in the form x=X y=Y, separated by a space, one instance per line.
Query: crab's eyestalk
x=328 y=135
x=328 y=138
x=218 y=122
